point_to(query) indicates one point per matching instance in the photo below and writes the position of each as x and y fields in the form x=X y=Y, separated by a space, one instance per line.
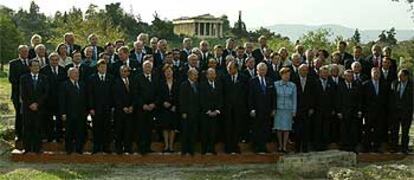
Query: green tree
x=10 y=37
x=356 y=38
x=95 y=22
x=33 y=22
x=318 y=39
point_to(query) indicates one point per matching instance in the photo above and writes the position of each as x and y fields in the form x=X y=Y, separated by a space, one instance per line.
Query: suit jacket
x=148 y=50
x=204 y=60
x=227 y=52
x=100 y=93
x=158 y=59
x=42 y=64
x=211 y=98
x=55 y=81
x=72 y=48
x=344 y=57
x=374 y=104
x=401 y=106
x=258 y=56
x=235 y=94
x=349 y=101
x=306 y=97
x=325 y=101
x=84 y=70
x=136 y=57
x=98 y=48
x=33 y=93
x=123 y=96
x=184 y=55
x=146 y=90
x=247 y=74
x=16 y=69
x=261 y=100
x=189 y=100
x=167 y=95
x=73 y=100
x=135 y=67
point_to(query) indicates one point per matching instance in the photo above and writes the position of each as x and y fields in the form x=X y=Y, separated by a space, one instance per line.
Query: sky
x=362 y=14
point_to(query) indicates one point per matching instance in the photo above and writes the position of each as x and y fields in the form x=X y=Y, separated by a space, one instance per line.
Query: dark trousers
x=189 y=131
x=405 y=124
x=334 y=130
x=349 y=129
x=145 y=131
x=375 y=131
x=261 y=125
x=232 y=129
x=48 y=125
x=208 y=134
x=18 y=122
x=75 y=134
x=101 y=128
x=302 y=131
x=124 y=132
x=321 y=128
x=31 y=131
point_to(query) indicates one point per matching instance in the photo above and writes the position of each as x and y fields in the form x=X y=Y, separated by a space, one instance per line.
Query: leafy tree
x=33 y=22
x=318 y=39
x=10 y=37
x=356 y=38
x=95 y=22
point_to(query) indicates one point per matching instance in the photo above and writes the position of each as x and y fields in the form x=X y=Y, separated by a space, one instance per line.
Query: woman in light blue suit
x=285 y=107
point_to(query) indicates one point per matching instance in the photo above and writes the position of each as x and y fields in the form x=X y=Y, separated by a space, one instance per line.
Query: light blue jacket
x=285 y=95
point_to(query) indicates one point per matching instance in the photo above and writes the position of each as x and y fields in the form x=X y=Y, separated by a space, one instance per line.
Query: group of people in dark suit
x=228 y=94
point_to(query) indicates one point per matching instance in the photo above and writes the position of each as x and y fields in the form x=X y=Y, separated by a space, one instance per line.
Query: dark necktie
x=262 y=85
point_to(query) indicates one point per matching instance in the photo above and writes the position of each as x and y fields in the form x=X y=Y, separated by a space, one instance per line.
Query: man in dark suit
x=387 y=52
x=211 y=101
x=206 y=55
x=401 y=107
x=357 y=57
x=235 y=107
x=40 y=50
x=137 y=53
x=144 y=38
x=192 y=62
x=189 y=107
x=240 y=57
x=296 y=62
x=349 y=111
x=375 y=59
x=73 y=107
x=341 y=47
x=56 y=75
x=258 y=53
x=100 y=103
x=230 y=43
x=305 y=108
x=159 y=55
x=18 y=67
x=250 y=70
x=96 y=50
x=357 y=72
x=77 y=63
x=147 y=99
x=324 y=109
x=110 y=52
x=125 y=127
x=69 y=39
x=123 y=54
x=374 y=108
x=34 y=89
x=261 y=102
x=186 y=50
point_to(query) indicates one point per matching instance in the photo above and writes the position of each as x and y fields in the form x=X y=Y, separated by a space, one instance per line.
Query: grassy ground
x=6 y=106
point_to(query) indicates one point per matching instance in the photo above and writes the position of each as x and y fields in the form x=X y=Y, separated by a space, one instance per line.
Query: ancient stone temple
x=203 y=26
